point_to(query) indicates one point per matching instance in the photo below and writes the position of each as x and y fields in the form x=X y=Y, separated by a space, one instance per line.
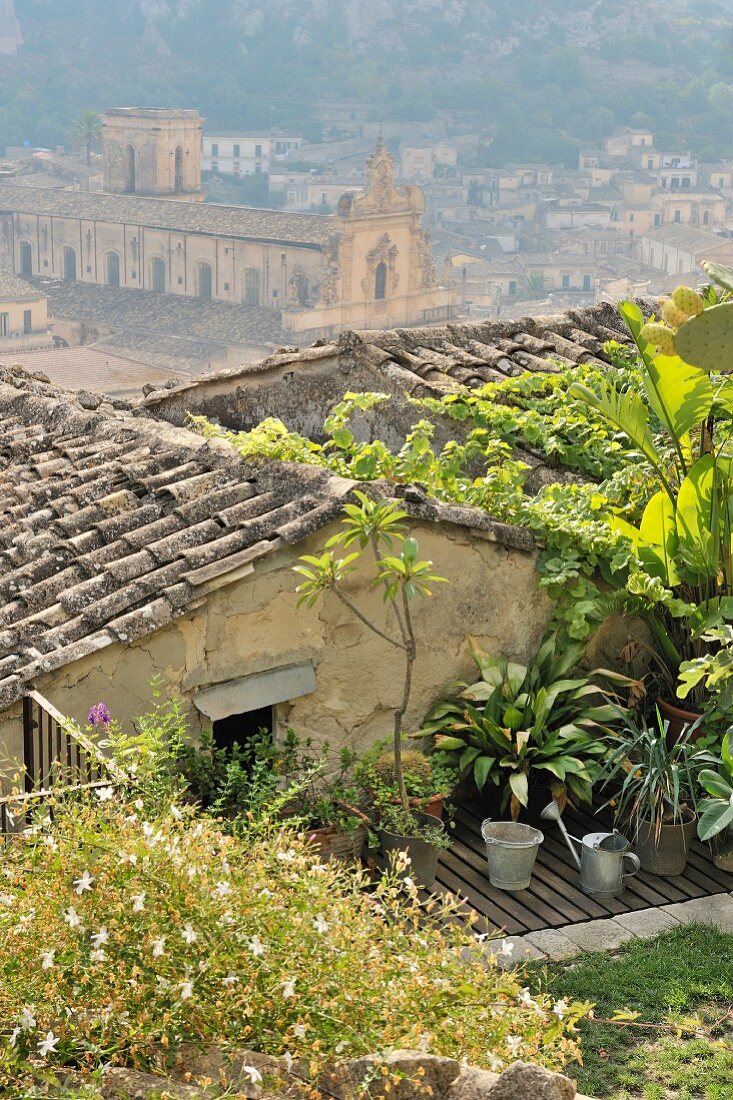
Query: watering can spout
x=552 y=812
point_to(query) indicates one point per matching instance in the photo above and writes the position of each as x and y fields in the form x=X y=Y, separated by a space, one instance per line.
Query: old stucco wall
x=253 y=625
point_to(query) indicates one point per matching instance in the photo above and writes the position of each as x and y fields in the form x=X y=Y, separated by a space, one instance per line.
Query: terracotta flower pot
x=432 y=806
x=678 y=719
x=332 y=842
x=666 y=854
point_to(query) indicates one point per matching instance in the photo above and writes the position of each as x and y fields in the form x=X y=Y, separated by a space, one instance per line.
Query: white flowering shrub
x=124 y=936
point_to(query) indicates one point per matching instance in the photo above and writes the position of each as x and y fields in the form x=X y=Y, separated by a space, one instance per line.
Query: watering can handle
x=635 y=864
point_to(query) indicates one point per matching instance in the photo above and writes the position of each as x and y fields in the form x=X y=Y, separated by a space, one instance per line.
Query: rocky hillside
x=571 y=69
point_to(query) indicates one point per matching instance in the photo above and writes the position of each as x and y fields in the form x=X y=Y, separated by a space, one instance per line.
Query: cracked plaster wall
x=253 y=625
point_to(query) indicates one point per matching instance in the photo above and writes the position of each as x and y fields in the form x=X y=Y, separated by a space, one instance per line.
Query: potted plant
x=321 y=794
x=716 y=811
x=428 y=779
x=655 y=781
x=520 y=726
x=681 y=580
x=374 y=531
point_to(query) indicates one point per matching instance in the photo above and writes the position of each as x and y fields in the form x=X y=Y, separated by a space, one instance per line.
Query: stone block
x=554 y=944
x=597 y=935
x=472 y=1084
x=716 y=910
x=504 y=953
x=129 y=1084
x=522 y=1081
x=413 y=1074
x=647 y=922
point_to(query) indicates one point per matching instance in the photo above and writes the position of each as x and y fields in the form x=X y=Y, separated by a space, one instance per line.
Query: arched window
x=157 y=275
x=251 y=286
x=178 y=169
x=26 y=260
x=380 y=280
x=69 y=262
x=113 y=269
x=204 y=281
x=130 y=180
x=706 y=218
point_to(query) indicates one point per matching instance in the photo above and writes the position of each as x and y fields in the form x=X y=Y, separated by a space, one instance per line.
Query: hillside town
x=366 y=550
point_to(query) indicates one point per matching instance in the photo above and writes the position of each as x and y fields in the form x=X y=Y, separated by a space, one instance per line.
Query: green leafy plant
x=128 y=934
x=716 y=811
x=522 y=722
x=683 y=577
x=376 y=528
x=656 y=776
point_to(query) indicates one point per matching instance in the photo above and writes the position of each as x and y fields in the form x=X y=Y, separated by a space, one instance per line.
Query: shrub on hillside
x=124 y=935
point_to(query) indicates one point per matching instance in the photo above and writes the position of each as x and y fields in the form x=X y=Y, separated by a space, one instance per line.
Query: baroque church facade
x=367 y=266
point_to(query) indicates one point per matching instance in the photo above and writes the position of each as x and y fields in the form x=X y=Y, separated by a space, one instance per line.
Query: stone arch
x=252 y=286
x=112 y=268
x=157 y=275
x=130 y=169
x=25 y=253
x=204 y=281
x=68 y=261
x=178 y=169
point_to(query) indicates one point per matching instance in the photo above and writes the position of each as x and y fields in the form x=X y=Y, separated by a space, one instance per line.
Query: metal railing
x=58 y=759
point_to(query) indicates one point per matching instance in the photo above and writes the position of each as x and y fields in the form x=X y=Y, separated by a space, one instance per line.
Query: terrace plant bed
x=685 y=977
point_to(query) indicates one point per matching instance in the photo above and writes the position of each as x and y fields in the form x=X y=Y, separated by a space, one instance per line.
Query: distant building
x=241 y=154
x=680 y=249
x=10 y=37
x=150 y=151
x=367 y=266
x=23 y=317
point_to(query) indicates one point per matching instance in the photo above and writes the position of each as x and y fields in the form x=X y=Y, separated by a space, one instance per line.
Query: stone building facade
x=150 y=151
x=368 y=266
x=23 y=317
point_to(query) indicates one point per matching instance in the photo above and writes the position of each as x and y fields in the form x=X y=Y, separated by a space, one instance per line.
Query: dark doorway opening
x=26 y=260
x=113 y=269
x=204 y=271
x=69 y=260
x=240 y=729
x=178 y=169
x=157 y=275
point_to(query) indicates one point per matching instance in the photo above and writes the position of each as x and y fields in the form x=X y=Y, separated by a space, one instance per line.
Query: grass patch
x=682 y=974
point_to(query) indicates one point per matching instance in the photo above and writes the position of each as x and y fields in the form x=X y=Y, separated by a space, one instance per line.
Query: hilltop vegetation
x=544 y=75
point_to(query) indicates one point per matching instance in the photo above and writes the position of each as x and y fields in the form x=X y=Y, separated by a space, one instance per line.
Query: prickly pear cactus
x=659 y=336
x=672 y=315
x=706 y=341
x=719 y=273
x=688 y=301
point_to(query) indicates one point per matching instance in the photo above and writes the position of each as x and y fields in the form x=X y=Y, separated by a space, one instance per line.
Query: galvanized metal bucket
x=511 y=849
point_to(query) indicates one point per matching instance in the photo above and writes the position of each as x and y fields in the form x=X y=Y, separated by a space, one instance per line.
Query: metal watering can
x=606 y=860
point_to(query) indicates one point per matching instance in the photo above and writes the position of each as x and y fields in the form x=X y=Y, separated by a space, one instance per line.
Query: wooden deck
x=554 y=897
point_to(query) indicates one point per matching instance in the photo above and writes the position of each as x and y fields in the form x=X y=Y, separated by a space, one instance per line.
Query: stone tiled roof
x=446 y=358
x=112 y=525
x=151 y=314
x=241 y=222
x=12 y=286
x=93 y=369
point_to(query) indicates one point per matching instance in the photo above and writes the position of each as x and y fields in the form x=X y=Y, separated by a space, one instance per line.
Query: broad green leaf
x=625 y=410
x=698 y=516
x=681 y=395
x=659 y=528
x=481 y=770
x=715 y=784
x=717 y=816
x=520 y=786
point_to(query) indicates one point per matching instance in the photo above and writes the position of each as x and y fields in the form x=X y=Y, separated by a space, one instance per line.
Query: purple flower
x=99 y=715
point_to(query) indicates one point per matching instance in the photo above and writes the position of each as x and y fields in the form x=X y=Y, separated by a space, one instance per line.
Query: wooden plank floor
x=554 y=897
